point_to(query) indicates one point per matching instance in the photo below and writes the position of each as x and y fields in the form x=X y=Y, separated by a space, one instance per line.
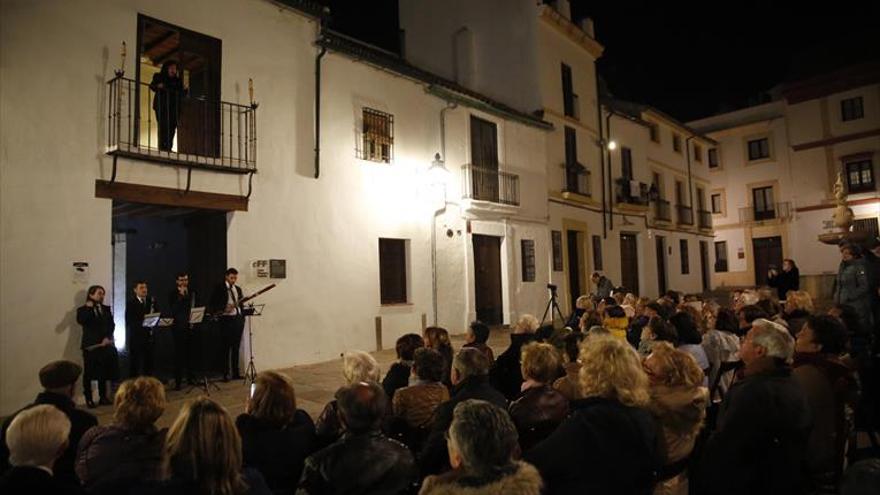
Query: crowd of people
x=670 y=396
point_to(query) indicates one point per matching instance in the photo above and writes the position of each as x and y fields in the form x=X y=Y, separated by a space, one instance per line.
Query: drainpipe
x=438 y=212
x=687 y=151
x=318 y=111
x=610 y=175
x=601 y=154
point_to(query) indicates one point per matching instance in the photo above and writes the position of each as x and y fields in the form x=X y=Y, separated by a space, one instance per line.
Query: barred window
x=528 y=260
x=557 y=250
x=378 y=136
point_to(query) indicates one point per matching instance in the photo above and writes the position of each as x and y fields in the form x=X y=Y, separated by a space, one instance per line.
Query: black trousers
x=91 y=369
x=140 y=352
x=166 y=121
x=231 y=328
x=184 y=358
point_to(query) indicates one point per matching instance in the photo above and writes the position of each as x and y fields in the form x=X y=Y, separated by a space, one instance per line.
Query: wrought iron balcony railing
x=631 y=192
x=685 y=215
x=662 y=210
x=704 y=219
x=771 y=211
x=180 y=128
x=577 y=179
x=485 y=184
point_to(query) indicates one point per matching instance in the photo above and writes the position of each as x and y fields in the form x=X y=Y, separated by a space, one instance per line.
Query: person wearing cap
x=58 y=379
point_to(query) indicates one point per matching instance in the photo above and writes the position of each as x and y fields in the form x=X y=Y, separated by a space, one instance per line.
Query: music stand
x=196 y=317
x=250 y=374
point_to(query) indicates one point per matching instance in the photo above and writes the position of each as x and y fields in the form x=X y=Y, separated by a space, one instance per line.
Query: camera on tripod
x=551 y=287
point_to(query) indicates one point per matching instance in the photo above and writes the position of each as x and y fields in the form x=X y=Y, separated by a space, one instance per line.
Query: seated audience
x=832 y=391
x=798 y=307
x=203 y=455
x=482 y=452
x=610 y=444
x=862 y=478
x=678 y=401
x=691 y=341
x=399 y=372
x=721 y=345
x=438 y=339
x=58 y=379
x=114 y=458
x=415 y=404
x=582 y=306
x=276 y=437
x=746 y=315
x=859 y=340
x=470 y=380
x=357 y=366
x=477 y=336
x=506 y=374
x=615 y=321
x=539 y=408
x=37 y=437
x=569 y=385
x=364 y=460
x=764 y=423
x=768 y=302
x=638 y=321
x=657 y=330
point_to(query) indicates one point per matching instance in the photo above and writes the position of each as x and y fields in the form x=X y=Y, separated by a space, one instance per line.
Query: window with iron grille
x=713 y=157
x=698 y=153
x=528 y=260
x=568 y=96
x=626 y=161
x=868 y=225
x=852 y=109
x=721 y=256
x=597 y=253
x=377 y=143
x=556 y=239
x=860 y=176
x=685 y=261
x=716 y=203
x=759 y=149
x=762 y=200
x=392 y=271
x=676 y=142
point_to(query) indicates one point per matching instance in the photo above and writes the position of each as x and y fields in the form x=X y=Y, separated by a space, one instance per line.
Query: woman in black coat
x=99 y=353
x=276 y=437
x=788 y=279
x=169 y=90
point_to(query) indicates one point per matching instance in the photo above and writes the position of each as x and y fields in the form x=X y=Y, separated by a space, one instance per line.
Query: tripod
x=250 y=373
x=552 y=307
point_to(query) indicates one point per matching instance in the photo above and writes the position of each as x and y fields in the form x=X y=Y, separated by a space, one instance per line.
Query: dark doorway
x=487 y=275
x=629 y=263
x=767 y=252
x=198 y=57
x=704 y=265
x=574 y=266
x=661 y=264
x=153 y=243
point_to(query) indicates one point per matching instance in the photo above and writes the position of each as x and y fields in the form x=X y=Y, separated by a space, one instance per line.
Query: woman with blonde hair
x=276 y=436
x=115 y=457
x=357 y=366
x=797 y=309
x=678 y=402
x=203 y=455
x=609 y=445
x=539 y=408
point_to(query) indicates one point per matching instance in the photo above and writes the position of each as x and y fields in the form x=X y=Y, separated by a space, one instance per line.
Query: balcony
x=210 y=134
x=577 y=180
x=704 y=219
x=631 y=192
x=685 y=215
x=485 y=184
x=662 y=210
x=772 y=211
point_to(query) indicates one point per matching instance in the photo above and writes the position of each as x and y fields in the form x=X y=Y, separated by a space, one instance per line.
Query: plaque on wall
x=277 y=268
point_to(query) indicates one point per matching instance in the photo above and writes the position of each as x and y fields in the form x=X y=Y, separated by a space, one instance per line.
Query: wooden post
x=424 y=322
x=378 y=333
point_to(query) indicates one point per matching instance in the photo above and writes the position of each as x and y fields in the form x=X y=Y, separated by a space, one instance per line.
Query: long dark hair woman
x=100 y=359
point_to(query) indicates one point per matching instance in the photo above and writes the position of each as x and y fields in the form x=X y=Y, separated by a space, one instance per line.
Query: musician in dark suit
x=139 y=339
x=181 y=300
x=226 y=304
x=99 y=353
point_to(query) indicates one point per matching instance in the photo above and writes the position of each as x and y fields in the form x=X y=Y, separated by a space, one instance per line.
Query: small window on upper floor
x=851 y=109
x=377 y=143
x=676 y=142
x=860 y=176
x=569 y=99
x=698 y=153
x=713 y=157
x=654 y=129
x=759 y=149
x=716 y=203
x=626 y=162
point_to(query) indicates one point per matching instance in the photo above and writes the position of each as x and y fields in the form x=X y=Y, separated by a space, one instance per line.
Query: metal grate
x=377 y=141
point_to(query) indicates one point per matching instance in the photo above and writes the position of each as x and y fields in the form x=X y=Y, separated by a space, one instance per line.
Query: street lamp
x=437 y=172
x=612 y=145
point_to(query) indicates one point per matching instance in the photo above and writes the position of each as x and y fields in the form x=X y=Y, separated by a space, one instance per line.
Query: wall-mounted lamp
x=438 y=172
x=612 y=145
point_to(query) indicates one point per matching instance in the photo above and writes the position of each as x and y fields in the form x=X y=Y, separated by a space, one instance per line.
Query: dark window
x=713 y=157
x=378 y=141
x=759 y=149
x=556 y=238
x=655 y=180
x=676 y=142
x=679 y=193
x=528 y=260
x=392 y=271
x=568 y=96
x=716 y=203
x=571 y=158
x=626 y=162
x=597 y=253
x=762 y=200
x=698 y=153
x=721 y=256
x=685 y=262
x=852 y=109
x=860 y=176
x=868 y=225
x=655 y=132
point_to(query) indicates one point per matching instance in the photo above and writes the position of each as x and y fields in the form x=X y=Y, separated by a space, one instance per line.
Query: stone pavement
x=315 y=384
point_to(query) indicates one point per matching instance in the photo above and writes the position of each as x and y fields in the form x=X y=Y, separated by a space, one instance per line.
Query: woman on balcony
x=169 y=90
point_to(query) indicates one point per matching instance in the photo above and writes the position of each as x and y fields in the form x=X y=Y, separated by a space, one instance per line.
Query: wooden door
x=704 y=265
x=661 y=264
x=767 y=252
x=629 y=263
x=487 y=279
x=201 y=112
x=574 y=266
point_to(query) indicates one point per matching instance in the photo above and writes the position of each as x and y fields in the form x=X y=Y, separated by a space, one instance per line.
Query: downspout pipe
x=438 y=212
x=687 y=151
x=601 y=157
x=610 y=175
x=318 y=111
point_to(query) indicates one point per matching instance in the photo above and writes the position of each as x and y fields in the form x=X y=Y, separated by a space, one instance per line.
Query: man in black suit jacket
x=139 y=339
x=99 y=354
x=59 y=381
x=226 y=302
x=182 y=300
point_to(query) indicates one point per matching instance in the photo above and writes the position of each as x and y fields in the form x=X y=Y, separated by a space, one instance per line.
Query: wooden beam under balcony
x=137 y=193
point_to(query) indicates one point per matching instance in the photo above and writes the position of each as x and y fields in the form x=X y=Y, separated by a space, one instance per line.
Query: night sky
x=689 y=62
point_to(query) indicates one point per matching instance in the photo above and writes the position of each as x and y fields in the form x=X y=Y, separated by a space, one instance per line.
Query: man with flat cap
x=58 y=379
